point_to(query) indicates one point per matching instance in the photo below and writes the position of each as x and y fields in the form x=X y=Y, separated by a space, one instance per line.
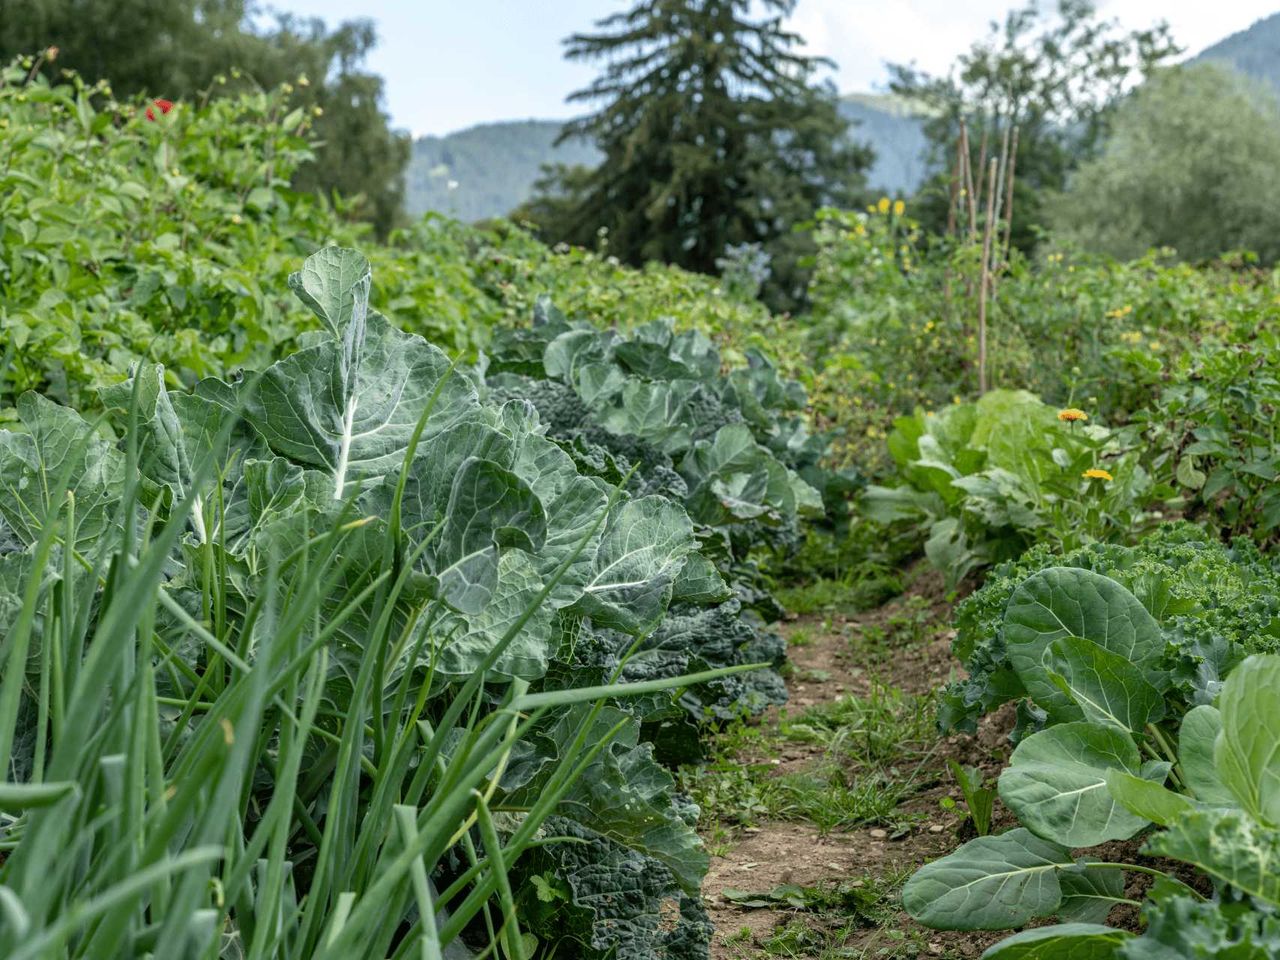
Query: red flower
x=164 y=105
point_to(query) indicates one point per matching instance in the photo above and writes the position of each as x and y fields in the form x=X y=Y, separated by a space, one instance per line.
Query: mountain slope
x=1255 y=52
x=488 y=170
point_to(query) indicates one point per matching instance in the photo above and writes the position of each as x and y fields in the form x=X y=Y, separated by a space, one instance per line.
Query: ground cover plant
x=169 y=239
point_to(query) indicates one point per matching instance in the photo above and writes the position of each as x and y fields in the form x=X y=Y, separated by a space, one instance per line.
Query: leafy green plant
x=1212 y=435
x=317 y=662
x=979 y=798
x=1213 y=604
x=986 y=480
x=1224 y=821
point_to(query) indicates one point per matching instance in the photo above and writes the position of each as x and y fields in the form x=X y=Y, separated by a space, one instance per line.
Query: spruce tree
x=714 y=135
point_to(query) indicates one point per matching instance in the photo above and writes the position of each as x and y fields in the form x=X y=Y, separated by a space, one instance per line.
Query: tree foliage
x=714 y=133
x=1053 y=74
x=179 y=48
x=1190 y=164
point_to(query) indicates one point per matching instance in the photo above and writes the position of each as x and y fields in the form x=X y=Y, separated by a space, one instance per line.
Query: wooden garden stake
x=988 y=229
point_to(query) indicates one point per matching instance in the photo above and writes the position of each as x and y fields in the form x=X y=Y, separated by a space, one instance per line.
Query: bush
x=1189 y=164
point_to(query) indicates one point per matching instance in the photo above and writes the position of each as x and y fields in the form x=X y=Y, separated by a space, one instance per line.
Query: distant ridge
x=1255 y=52
x=490 y=169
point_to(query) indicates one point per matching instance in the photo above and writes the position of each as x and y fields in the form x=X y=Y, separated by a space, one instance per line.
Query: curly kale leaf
x=595 y=898
x=1215 y=604
x=1181 y=927
x=623 y=794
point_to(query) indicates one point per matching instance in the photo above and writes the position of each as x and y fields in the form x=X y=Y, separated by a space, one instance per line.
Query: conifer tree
x=714 y=135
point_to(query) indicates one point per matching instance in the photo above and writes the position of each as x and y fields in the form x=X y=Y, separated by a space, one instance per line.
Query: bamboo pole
x=967 y=181
x=982 y=162
x=987 y=229
x=997 y=262
x=1008 y=206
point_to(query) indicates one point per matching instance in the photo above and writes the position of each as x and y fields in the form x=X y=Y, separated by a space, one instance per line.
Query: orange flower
x=1093 y=473
x=1071 y=415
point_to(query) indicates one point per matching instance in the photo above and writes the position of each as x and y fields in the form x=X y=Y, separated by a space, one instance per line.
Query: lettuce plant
x=985 y=481
x=305 y=664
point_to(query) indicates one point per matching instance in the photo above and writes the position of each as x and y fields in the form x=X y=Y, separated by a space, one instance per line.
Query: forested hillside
x=488 y=170
x=1255 y=52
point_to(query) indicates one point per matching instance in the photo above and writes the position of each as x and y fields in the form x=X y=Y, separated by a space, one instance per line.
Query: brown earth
x=904 y=644
x=840 y=657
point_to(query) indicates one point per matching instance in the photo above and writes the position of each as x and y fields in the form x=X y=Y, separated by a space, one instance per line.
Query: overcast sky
x=449 y=64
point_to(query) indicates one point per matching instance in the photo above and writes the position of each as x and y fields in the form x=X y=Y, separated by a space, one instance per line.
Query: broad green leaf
x=58 y=446
x=183 y=436
x=571 y=504
x=641 y=553
x=334 y=283
x=654 y=412
x=1089 y=894
x=1196 y=739
x=598 y=383
x=991 y=883
x=1065 y=941
x=1146 y=798
x=489 y=508
x=1056 y=784
x=1066 y=602
x=352 y=411
x=464 y=641
x=266 y=491
x=700 y=582
x=1247 y=752
x=1107 y=687
x=571 y=350
x=1228 y=845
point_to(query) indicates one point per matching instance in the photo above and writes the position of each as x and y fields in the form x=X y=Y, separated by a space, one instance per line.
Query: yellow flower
x=1071 y=415
x=884 y=205
x=1093 y=473
x=237 y=219
x=899 y=208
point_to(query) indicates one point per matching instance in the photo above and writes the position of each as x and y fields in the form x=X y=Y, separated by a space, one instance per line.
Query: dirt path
x=864 y=683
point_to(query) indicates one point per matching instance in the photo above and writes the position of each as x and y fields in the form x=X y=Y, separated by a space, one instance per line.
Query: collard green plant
x=1223 y=820
x=1201 y=606
x=656 y=409
x=306 y=662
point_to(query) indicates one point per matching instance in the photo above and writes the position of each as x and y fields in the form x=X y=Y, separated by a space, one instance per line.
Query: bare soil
x=839 y=656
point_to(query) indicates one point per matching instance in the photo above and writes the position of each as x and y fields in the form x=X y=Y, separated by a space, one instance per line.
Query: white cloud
x=862 y=35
